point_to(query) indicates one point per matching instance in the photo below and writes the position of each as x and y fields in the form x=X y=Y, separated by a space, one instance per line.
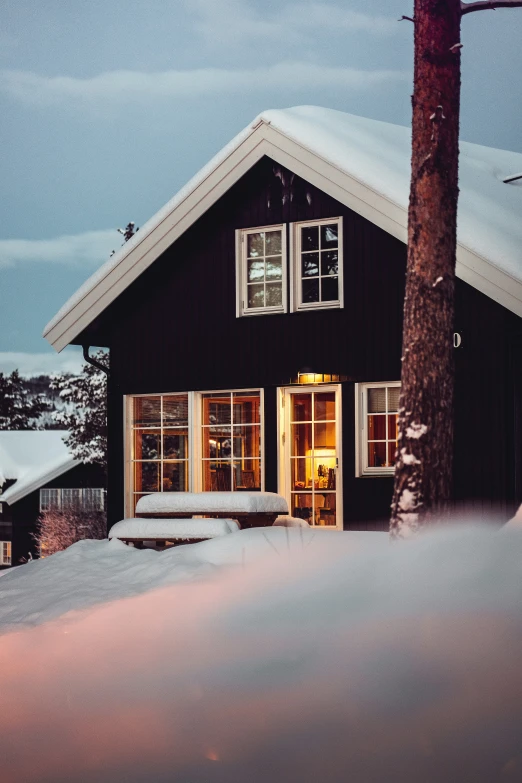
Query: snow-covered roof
x=364 y=164
x=32 y=458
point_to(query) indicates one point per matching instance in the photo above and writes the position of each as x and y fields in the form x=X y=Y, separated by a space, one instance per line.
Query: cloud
x=222 y=21
x=131 y=86
x=30 y=365
x=91 y=248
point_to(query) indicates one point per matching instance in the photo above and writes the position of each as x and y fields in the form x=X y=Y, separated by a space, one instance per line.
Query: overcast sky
x=109 y=106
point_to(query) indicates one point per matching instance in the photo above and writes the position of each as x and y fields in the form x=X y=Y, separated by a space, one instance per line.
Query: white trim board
x=216 y=179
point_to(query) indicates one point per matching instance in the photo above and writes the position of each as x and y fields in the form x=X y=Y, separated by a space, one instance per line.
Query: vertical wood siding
x=175 y=329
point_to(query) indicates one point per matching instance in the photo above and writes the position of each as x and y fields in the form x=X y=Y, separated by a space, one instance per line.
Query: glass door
x=310 y=441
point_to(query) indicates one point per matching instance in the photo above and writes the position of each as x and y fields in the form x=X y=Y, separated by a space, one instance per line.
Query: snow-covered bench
x=251 y=509
x=171 y=531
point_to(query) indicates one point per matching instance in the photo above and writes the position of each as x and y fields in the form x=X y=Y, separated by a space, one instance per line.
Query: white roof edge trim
x=264 y=140
x=210 y=183
x=26 y=489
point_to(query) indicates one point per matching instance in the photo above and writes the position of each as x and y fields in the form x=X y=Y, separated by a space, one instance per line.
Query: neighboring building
x=255 y=325
x=37 y=473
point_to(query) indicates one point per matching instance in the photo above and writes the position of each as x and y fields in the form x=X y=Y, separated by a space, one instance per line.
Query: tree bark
x=423 y=468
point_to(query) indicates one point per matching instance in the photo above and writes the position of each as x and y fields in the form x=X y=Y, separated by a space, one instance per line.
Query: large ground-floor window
x=193 y=441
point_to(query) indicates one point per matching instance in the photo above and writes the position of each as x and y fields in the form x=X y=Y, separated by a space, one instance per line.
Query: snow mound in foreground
x=278 y=654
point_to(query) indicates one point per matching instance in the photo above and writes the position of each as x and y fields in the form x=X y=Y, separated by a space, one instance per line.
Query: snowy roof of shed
x=32 y=458
x=364 y=164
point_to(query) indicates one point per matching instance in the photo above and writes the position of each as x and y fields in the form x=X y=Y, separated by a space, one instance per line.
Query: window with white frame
x=195 y=441
x=5 y=553
x=159 y=444
x=317 y=264
x=231 y=441
x=261 y=270
x=72 y=499
x=377 y=411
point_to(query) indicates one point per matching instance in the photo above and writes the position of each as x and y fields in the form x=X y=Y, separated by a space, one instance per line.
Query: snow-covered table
x=171 y=531
x=250 y=509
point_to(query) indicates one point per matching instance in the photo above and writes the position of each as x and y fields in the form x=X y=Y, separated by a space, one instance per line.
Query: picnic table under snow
x=251 y=509
x=172 y=529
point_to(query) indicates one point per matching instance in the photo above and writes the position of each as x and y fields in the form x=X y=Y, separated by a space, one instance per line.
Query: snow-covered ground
x=273 y=654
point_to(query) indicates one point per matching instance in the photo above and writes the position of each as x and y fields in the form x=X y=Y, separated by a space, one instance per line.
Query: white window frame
x=5 y=553
x=296 y=303
x=284 y=444
x=44 y=505
x=242 y=308
x=198 y=429
x=195 y=465
x=361 y=429
x=128 y=444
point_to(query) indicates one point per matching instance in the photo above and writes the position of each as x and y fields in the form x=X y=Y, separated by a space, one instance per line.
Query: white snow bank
x=173 y=528
x=272 y=654
x=211 y=502
x=287 y=521
x=515 y=522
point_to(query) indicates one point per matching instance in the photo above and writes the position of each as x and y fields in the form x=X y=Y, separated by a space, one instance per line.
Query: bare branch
x=406 y=17
x=488 y=5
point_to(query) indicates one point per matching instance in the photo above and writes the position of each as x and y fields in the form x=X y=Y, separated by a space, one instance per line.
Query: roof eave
x=13 y=496
x=265 y=139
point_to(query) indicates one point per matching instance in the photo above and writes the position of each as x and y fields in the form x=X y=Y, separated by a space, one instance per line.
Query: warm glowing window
x=262 y=270
x=317 y=264
x=378 y=406
x=5 y=553
x=313 y=456
x=231 y=441
x=160 y=444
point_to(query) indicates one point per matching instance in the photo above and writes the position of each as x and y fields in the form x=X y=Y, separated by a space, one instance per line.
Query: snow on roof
x=376 y=155
x=32 y=458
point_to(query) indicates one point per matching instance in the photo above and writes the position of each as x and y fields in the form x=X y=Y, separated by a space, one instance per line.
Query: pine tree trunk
x=423 y=471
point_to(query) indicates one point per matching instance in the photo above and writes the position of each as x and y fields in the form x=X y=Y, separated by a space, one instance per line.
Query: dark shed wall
x=25 y=513
x=175 y=329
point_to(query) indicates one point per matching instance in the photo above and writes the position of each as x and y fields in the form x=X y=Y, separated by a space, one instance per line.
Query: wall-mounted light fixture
x=306 y=376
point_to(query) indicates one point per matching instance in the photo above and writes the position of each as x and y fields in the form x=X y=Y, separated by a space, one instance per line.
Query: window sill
x=318 y=306
x=249 y=313
x=377 y=473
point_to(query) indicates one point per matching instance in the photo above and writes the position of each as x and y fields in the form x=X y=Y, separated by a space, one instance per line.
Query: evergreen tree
x=85 y=412
x=18 y=409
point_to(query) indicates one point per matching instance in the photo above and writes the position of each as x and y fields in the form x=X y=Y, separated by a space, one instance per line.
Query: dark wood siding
x=175 y=329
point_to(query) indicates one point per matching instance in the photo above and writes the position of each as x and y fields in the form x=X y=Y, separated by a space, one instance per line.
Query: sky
x=109 y=107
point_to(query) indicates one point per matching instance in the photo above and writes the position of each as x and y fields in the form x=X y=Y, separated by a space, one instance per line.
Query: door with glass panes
x=310 y=446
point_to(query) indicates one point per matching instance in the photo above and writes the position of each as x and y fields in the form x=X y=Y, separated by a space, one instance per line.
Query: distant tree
x=423 y=468
x=58 y=530
x=85 y=412
x=19 y=410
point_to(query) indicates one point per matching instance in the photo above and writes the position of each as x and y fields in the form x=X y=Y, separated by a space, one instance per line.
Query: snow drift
x=276 y=654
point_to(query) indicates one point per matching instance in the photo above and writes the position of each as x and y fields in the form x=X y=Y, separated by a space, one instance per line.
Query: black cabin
x=255 y=324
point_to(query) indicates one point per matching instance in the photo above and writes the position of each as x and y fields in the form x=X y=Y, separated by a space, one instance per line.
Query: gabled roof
x=32 y=458
x=364 y=164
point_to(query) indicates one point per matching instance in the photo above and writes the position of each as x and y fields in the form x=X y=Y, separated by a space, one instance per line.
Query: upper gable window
x=261 y=272
x=317 y=264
